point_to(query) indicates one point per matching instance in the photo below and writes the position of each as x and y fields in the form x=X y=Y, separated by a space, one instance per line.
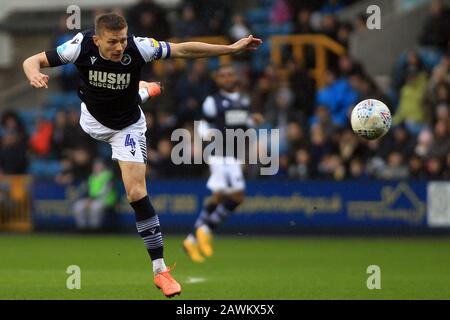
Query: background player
x=227 y=109
x=109 y=61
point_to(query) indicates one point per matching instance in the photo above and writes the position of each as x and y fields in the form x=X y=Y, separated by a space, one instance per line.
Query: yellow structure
x=321 y=45
x=15 y=203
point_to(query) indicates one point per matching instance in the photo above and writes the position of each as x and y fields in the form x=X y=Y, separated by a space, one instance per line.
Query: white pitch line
x=195 y=280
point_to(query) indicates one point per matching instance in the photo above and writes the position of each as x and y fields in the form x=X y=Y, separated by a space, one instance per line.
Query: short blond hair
x=110 y=22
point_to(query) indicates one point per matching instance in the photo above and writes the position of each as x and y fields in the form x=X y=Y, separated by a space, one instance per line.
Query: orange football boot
x=168 y=285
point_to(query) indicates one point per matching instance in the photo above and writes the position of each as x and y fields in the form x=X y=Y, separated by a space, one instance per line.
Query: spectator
x=11 y=122
x=338 y=96
x=188 y=26
x=416 y=168
x=149 y=19
x=296 y=136
x=440 y=73
x=101 y=196
x=303 y=22
x=213 y=15
x=331 y=167
x=343 y=34
x=410 y=109
x=302 y=165
x=41 y=139
x=76 y=167
x=413 y=63
x=238 y=29
x=332 y=7
x=283 y=166
x=280 y=13
x=281 y=111
x=323 y=119
x=13 y=139
x=434 y=169
x=395 y=169
x=348 y=66
x=441 y=142
x=438 y=102
x=399 y=139
x=424 y=142
x=191 y=90
x=438 y=91
x=356 y=170
x=366 y=87
x=262 y=94
x=13 y=155
x=303 y=87
x=329 y=26
x=436 y=31
x=320 y=146
x=161 y=162
x=61 y=134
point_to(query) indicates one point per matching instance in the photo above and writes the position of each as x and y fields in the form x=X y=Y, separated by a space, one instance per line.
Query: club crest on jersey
x=126 y=59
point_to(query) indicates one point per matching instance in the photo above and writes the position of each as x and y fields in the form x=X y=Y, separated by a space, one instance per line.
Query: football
x=371 y=119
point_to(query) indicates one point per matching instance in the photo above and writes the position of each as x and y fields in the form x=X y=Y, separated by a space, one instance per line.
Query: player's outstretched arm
x=203 y=50
x=32 y=68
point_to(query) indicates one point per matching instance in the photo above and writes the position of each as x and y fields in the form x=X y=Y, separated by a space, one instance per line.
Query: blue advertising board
x=270 y=204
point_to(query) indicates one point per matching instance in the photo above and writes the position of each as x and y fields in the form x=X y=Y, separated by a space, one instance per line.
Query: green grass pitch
x=286 y=268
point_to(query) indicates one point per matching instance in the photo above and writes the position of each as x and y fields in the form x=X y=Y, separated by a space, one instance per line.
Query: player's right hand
x=39 y=80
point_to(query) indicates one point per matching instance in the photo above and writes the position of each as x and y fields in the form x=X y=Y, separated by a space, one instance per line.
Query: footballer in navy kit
x=109 y=61
x=227 y=109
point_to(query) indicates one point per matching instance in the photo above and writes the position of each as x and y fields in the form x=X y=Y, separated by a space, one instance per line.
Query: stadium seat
x=429 y=56
x=29 y=116
x=44 y=167
x=60 y=101
x=258 y=15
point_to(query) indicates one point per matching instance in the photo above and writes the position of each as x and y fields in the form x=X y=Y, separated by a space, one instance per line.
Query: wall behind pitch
x=270 y=205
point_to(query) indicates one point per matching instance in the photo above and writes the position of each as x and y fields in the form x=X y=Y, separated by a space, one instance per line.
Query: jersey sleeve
x=209 y=108
x=151 y=49
x=67 y=52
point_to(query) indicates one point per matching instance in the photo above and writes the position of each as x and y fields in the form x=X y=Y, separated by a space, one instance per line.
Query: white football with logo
x=371 y=119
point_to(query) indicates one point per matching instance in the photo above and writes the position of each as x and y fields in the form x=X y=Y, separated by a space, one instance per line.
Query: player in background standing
x=227 y=109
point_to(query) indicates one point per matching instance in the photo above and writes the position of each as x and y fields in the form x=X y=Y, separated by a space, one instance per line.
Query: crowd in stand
x=316 y=141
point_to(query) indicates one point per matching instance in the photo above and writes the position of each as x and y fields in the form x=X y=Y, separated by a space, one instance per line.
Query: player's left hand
x=246 y=44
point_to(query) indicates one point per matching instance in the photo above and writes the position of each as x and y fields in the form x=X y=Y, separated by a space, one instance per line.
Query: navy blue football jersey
x=225 y=111
x=109 y=89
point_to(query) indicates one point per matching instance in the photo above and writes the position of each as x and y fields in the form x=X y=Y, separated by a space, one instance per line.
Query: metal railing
x=320 y=43
x=15 y=203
